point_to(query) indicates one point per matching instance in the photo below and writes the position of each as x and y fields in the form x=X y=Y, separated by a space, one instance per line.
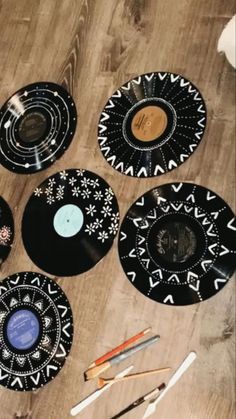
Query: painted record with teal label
x=177 y=243
x=36 y=330
x=70 y=222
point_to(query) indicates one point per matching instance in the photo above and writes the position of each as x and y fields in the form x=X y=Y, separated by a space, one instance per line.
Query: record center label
x=149 y=123
x=32 y=127
x=68 y=220
x=176 y=242
x=22 y=329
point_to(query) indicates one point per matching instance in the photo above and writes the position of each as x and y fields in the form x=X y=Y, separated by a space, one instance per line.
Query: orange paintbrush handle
x=120 y=348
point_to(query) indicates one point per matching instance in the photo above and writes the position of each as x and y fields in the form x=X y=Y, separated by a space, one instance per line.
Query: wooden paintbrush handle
x=136 y=375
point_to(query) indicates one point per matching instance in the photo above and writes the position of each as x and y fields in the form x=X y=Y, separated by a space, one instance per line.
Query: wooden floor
x=92 y=47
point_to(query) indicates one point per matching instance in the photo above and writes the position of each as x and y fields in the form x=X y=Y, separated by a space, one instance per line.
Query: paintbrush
x=97 y=393
x=95 y=371
x=138 y=402
x=119 y=348
x=103 y=381
x=178 y=373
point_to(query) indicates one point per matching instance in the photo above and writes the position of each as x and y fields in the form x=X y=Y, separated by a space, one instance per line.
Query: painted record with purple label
x=70 y=222
x=36 y=330
x=177 y=243
x=6 y=230
x=152 y=124
x=37 y=125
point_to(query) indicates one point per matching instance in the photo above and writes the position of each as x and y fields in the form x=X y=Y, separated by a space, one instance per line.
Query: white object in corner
x=227 y=42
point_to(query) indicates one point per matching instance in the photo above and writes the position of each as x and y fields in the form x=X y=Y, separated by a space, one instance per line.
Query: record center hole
x=176 y=242
x=22 y=329
x=149 y=123
x=32 y=127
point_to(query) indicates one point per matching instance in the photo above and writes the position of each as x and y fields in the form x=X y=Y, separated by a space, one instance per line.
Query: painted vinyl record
x=37 y=125
x=177 y=244
x=6 y=230
x=152 y=124
x=70 y=222
x=36 y=330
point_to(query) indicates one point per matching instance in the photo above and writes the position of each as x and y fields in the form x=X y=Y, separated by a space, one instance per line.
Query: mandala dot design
x=151 y=124
x=36 y=331
x=177 y=244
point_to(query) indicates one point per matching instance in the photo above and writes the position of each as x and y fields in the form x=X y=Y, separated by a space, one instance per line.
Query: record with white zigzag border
x=37 y=124
x=36 y=330
x=152 y=124
x=177 y=243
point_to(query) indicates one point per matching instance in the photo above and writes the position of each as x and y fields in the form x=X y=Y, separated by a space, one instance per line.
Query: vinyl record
x=37 y=125
x=70 y=222
x=152 y=124
x=36 y=330
x=177 y=244
x=6 y=230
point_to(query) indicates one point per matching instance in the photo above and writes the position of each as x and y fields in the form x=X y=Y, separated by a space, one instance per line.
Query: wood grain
x=92 y=47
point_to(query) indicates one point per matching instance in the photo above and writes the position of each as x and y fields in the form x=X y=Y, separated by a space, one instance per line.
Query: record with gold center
x=70 y=222
x=36 y=330
x=37 y=125
x=152 y=124
x=177 y=244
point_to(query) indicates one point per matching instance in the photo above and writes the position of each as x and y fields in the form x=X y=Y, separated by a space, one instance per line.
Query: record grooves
x=37 y=124
x=177 y=243
x=152 y=124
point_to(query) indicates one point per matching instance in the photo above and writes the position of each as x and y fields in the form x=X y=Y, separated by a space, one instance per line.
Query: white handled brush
x=178 y=373
x=97 y=393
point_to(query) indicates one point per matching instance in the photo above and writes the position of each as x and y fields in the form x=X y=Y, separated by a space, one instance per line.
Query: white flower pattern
x=90 y=210
x=106 y=211
x=98 y=196
x=72 y=181
x=60 y=192
x=48 y=190
x=50 y=199
x=85 y=193
x=90 y=229
x=102 y=236
x=98 y=202
x=38 y=191
x=63 y=174
x=75 y=191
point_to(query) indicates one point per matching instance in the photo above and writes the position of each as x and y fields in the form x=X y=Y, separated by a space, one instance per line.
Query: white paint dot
x=53 y=142
x=25 y=93
x=7 y=124
x=27 y=165
x=55 y=93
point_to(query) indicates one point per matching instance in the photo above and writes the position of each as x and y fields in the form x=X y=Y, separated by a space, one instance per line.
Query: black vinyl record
x=36 y=330
x=70 y=222
x=177 y=243
x=37 y=125
x=6 y=230
x=152 y=124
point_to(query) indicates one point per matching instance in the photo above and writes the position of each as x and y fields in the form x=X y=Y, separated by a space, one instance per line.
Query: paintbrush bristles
x=95 y=371
x=103 y=381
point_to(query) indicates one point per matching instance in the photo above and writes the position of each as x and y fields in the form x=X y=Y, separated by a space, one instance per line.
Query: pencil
x=119 y=348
